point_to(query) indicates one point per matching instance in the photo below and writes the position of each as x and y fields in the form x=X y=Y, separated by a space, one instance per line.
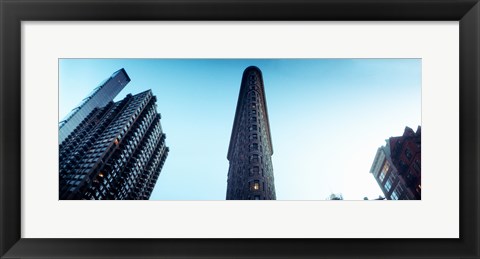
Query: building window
x=253 y=136
x=416 y=165
x=384 y=171
x=408 y=154
x=257 y=197
x=394 y=196
x=253 y=128
x=388 y=185
x=254 y=158
x=256 y=185
x=399 y=190
x=392 y=176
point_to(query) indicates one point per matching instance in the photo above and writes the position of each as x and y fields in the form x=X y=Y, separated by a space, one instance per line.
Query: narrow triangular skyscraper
x=250 y=174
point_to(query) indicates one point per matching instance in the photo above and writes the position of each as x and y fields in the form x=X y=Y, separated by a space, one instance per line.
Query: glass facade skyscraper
x=250 y=173
x=104 y=93
x=115 y=153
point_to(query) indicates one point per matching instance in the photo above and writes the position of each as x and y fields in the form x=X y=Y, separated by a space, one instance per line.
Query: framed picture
x=33 y=224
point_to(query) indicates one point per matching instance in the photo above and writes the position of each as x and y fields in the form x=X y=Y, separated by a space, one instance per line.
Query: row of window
x=397 y=193
x=81 y=130
x=142 y=156
x=100 y=146
x=116 y=168
x=140 y=161
x=91 y=161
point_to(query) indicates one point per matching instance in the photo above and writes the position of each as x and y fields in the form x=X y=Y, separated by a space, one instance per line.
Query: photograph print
x=240 y=129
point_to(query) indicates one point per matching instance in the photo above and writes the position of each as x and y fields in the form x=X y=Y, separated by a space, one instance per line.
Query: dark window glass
x=408 y=154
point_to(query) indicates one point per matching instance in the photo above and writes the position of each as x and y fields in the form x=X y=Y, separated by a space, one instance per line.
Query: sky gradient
x=327 y=118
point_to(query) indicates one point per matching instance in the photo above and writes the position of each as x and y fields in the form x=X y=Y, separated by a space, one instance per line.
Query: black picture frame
x=13 y=12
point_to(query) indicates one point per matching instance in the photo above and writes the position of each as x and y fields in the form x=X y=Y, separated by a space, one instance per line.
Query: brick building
x=397 y=166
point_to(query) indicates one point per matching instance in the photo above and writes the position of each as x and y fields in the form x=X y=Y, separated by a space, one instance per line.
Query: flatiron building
x=250 y=173
x=116 y=152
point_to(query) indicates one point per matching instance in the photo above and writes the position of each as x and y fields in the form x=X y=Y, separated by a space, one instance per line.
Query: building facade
x=397 y=166
x=115 y=153
x=250 y=173
x=104 y=93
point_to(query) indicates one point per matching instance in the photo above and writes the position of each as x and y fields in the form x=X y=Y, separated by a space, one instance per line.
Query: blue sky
x=327 y=118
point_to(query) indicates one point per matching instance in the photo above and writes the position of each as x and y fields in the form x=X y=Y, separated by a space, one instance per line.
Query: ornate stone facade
x=250 y=174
